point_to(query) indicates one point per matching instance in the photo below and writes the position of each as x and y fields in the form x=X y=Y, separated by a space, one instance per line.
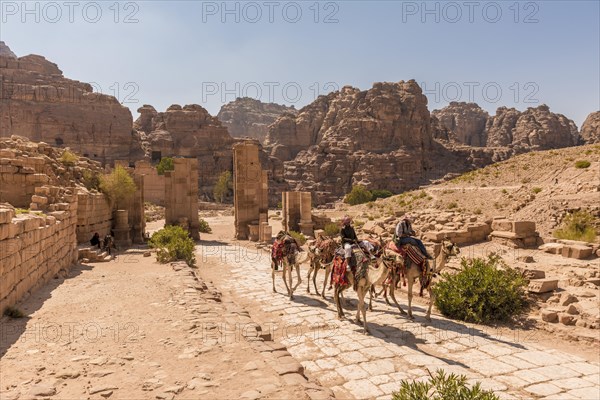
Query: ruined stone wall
x=34 y=247
x=154 y=184
x=19 y=176
x=94 y=214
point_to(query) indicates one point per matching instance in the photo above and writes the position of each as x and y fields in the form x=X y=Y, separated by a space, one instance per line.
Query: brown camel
x=321 y=255
x=413 y=271
x=369 y=276
x=288 y=257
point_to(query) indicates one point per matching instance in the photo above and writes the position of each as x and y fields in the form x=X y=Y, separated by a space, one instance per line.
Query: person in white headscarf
x=405 y=233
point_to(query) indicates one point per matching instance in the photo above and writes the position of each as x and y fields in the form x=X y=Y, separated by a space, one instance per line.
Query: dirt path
x=517 y=364
x=134 y=329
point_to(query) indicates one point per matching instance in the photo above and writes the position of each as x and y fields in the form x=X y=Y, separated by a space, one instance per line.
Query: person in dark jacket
x=95 y=240
x=405 y=233
x=349 y=238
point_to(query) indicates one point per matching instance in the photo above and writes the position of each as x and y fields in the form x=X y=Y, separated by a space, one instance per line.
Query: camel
x=412 y=272
x=371 y=276
x=290 y=259
x=321 y=255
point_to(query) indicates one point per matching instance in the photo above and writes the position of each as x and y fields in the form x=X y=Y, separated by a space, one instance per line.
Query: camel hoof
x=402 y=312
x=411 y=317
x=428 y=319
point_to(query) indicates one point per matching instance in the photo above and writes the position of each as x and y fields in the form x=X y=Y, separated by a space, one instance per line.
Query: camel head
x=449 y=248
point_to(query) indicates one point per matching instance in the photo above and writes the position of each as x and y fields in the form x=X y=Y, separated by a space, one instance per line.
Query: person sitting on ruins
x=95 y=240
x=349 y=238
x=405 y=233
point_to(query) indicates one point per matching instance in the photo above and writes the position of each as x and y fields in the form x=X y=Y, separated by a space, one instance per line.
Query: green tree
x=223 y=187
x=118 y=186
x=358 y=195
x=165 y=164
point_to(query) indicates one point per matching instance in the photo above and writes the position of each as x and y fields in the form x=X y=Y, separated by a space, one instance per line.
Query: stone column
x=121 y=228
x=250 y=189
x=181 y=195
x=306 y=225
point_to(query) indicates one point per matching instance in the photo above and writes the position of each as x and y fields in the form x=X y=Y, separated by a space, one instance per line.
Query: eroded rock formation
x=247 y=117
x=38 y=102
x=590 y=130
x=533 y=129
x=379 y=138
x=188 y=131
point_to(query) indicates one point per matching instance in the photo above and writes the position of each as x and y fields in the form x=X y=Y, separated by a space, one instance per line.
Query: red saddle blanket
x=408 y=250
x=339 y=277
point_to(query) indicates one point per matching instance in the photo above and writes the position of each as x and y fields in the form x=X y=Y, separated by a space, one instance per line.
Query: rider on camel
x=405 y=233
x=348 y=238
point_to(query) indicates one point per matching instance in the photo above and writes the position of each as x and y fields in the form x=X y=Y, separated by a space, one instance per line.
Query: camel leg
x=327 y=274
x=297 y=265
x=411 y=281
x=371 y=291
x=273 y=275
x=431 y=301
x=385 y=294
x=284 y=272
x=336 y=298
x=362 y=293
x=393 y=296
x=310 y=269
x=290 y=273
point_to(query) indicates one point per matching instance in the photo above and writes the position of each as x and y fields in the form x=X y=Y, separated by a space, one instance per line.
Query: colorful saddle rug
x=411 y=253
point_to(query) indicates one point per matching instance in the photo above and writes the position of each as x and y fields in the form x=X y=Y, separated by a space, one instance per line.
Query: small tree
x=358 y=195
x=165 y=164
x=68 y=158
x=118 y=186
x=172 y=243
x=223 y=186
x=442 y=387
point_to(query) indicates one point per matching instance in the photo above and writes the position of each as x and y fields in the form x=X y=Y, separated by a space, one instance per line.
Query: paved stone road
x=355 y=365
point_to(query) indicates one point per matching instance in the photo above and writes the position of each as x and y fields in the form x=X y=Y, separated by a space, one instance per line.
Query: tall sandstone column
x=250 y=188
x=181 y=195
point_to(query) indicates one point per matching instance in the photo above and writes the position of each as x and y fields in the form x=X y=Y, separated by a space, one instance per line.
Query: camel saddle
x=408 y=251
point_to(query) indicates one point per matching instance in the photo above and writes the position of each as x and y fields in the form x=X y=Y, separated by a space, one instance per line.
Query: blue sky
x=503 y=53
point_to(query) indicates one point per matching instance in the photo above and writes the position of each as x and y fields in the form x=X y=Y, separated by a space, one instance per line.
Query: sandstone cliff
x=38 y=102
x=188 y=131
x=378 y=138
x=247 y=117
x=590 y=130
x=533 y=129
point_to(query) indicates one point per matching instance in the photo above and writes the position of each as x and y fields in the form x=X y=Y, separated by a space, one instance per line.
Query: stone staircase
x=93 y=254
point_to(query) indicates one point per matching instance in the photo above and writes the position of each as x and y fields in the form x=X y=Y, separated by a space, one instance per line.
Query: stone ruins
x=181 y=195
x=297 y=212
x=250 y=186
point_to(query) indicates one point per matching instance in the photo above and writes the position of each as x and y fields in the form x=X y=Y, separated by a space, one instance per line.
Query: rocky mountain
x=188 y=131
x=38 y=102
x=379 y=138
x=533 y=129
x=590 y=130
x=247 y=117
x=464 y=122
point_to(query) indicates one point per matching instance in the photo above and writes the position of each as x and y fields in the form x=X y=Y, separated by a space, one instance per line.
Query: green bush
x=118 y=186
x=224 y=186
x=165 y=164
x=380 y=194
x=91 y=180
x=332 y=229
x=536 y=190
x=577 y=226
x=582 y=164
x=204 y=227
x=173 y=244
x=300 y=238
x=442 y=387
x=68 y=158
x=358 y=195
x=486 y=290
x=452 y=205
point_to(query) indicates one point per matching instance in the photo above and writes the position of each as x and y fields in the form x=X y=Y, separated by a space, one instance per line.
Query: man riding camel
x=349 y=238
x=405 y=233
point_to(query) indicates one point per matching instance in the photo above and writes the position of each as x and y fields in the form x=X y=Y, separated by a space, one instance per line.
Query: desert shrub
x=13 y=312
x=165 y=164
x=477 y=211
x=91 y=180
x=172 y=244
x=224 y=186
x=300 y=238
x=577 y=226
x=68 y=158
x=332 y=229
x=582 y=164
x=536 y=190
x=118 y=186
x=358 y=223
x=442 y=387
x=504 y=191
x=452 y=205
x=486 y=290
x=380 y=194
x=358 y=195
x=204 y=227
